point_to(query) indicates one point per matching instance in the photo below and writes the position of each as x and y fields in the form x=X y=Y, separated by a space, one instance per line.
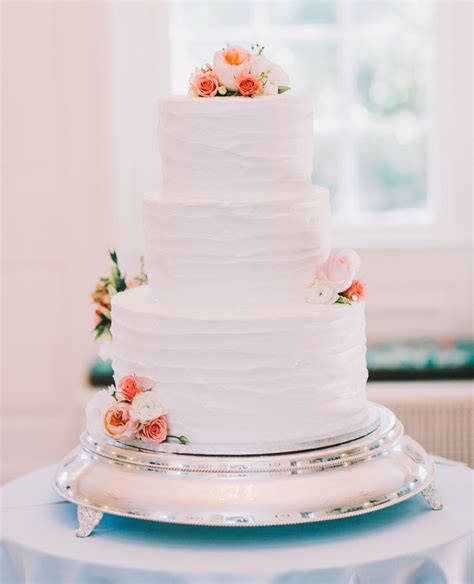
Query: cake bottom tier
x=286 y=374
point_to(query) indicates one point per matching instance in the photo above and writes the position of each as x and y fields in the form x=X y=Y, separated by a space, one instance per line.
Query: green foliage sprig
x=115 y=281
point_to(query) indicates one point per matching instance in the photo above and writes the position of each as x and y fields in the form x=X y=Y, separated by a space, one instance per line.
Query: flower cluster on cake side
x=133 y=411
x=237 y=71
x=335 y=280
x=107 y=287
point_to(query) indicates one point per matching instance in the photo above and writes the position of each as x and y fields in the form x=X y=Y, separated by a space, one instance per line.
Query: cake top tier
x=235 y=147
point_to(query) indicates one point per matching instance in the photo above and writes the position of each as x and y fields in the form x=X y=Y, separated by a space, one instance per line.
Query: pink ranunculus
x=339 y=269
x=129 y=387
x=247 y=84
x=236 y=55
x=229 y=63
x=356 y=291
x=205 y=85
x=155 y=431
x=118 y=422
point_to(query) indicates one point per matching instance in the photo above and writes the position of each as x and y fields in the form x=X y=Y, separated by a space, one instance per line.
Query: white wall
x=57 y=204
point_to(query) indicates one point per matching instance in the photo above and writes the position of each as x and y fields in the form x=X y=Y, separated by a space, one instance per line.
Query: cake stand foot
x=430 y=495
x=88 y=519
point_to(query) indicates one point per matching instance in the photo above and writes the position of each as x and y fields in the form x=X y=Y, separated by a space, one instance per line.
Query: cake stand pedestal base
x=380 y=469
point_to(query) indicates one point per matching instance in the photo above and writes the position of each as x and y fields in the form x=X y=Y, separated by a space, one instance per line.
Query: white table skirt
x=407 y=543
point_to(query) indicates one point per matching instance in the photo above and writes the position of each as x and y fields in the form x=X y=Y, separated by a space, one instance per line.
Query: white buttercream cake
x=234 y=236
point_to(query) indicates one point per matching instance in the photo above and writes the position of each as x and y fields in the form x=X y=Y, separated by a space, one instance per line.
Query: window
x=368 y=66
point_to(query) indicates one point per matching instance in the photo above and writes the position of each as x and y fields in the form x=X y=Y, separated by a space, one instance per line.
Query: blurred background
x=392 y=90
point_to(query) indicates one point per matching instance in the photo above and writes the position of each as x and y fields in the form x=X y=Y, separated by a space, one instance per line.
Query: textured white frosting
x=235 y=148
x=291 y=373
x=205 y=253
x=238 y=357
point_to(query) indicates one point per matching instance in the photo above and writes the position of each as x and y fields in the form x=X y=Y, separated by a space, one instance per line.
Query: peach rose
x=155 y=431
x=118 y=422
x=339 y=269
x=129 y=386
x=247 y=84
x=205 y=85
x=229 y=63
x=356 y=291
x=105 y=300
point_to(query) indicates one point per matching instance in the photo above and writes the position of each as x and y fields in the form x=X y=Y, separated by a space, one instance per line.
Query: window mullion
x=349 y=204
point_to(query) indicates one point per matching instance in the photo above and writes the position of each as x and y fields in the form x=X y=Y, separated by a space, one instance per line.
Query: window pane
x=410 y=13
x=392 y=172
x=314 y=68
x=391 y=78
x=301 y=12
x=393 y=59
x=213 y=13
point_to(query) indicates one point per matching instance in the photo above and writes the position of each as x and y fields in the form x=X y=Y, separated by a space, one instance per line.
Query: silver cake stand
x=369 y=473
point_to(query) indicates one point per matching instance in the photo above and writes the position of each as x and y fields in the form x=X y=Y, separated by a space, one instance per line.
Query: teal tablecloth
x=407 y=543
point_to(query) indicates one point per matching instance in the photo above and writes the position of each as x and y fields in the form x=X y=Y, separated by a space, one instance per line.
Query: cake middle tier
x=206 y=253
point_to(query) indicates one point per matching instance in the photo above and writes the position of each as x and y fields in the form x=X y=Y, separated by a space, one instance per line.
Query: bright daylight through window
x=367 y=64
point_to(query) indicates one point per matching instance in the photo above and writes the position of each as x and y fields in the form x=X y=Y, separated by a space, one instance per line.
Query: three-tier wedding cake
x=249 y=336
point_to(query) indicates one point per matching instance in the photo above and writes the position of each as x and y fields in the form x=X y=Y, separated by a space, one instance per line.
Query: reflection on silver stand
x=383 y=468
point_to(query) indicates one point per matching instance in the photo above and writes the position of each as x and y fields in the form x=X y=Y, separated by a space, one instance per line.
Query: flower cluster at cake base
x=132 y=411
x=236 y=71
x=335 y=280
x=107 y=287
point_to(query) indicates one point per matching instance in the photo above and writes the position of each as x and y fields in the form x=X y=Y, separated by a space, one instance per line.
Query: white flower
x=320 y=292
x=95 y=411
x=339 y=269
x=270 y=89
x=228 y=63
x=146 y=407
x=275 y=75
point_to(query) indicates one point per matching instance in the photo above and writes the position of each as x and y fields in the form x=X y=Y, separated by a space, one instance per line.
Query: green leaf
x=283 y=88
x=105 y=312
x=118 y=279
x=343 y=300
x=121 y=285
x=113 y=255
x=99 y=330
x=181 y=439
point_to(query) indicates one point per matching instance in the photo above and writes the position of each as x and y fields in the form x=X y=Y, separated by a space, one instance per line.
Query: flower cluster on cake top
x=133 y=411
x=236 y=71
x=335 y=280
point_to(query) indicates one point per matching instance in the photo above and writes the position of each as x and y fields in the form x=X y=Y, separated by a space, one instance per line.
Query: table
x=407 y=543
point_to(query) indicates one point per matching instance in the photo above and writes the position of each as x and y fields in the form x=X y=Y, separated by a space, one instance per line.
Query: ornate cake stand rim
x=372 y=424
x=388 y=431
